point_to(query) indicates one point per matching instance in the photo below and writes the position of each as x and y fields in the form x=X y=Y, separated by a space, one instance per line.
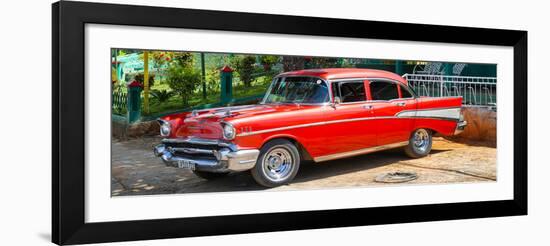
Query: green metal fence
x=119 y=102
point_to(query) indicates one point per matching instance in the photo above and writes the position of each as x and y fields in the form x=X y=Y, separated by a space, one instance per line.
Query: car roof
x=345 y=73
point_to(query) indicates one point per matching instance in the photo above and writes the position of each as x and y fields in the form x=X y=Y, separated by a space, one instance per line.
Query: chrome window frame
x=388 y=81
x=331 y=94
x=370 y=79
x=407 y=88
x=350 y=81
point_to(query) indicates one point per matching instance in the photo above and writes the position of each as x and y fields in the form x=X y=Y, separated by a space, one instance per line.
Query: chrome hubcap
x=277 y=164
x=421 y=140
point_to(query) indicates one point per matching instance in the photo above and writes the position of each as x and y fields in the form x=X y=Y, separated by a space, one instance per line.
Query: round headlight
x=228 y=131
x=165 y=129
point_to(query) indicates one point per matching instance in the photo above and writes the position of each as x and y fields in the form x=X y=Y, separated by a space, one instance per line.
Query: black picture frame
x=68 y=172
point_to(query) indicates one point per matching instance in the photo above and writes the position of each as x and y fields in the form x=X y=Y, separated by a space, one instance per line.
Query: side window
x=382 y=90
x=405 y=93
x=352 y=91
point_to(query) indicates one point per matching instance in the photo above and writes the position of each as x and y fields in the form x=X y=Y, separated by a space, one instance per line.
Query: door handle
x=400 y=104
x=369 y=107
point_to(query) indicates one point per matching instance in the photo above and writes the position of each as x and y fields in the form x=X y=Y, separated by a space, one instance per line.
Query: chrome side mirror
x=337 y=101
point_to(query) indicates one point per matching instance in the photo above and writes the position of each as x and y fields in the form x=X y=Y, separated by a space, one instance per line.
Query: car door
x=388 y=99
x=348 y=125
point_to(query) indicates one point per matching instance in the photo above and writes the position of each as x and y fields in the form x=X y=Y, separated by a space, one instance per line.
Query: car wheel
x=277 y=164
x=420 y=143
x=209 y=175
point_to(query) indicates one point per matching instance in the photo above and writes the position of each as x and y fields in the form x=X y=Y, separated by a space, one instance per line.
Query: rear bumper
x=225 y=159
x=460 y=127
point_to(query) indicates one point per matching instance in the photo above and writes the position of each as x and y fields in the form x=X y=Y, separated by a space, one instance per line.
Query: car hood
x=208 y=123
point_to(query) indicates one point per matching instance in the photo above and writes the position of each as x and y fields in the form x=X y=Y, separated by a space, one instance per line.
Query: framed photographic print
x=175 y=122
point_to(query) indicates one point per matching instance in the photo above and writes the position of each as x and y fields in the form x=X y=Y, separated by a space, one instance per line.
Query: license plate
x=186 y=164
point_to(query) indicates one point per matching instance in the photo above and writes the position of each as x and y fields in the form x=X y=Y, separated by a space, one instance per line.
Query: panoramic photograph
x=191 y=122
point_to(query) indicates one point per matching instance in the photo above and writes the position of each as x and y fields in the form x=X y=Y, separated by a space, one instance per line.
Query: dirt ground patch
x=136 y=171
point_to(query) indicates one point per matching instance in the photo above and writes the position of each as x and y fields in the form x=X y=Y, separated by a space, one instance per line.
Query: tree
x=245 y=68
x=268 y=61
x=291 y=63
x=324 y=62
x=183 y=80
x=162 y=58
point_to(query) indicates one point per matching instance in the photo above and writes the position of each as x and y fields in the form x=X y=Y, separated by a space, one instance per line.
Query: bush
x=213 y=80
x=162 y=95
x=245 y=68
x=183 y=59
x=183 y=81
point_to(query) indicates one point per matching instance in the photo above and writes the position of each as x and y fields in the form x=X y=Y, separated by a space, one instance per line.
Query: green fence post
x=134 y=101
x=226 y=77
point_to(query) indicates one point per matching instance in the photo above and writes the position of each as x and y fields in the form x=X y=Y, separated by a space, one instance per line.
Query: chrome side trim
x=452 y=113
x=359 y=151
x=244 y=134
x=279 y=129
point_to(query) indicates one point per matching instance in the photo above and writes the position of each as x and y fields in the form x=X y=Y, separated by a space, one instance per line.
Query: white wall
x=25 y=104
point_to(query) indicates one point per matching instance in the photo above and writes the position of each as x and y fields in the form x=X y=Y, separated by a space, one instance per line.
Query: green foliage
x=183 y=81
x=245 y=67
x=268 y=61
x=160 y=58
x=183 y=59
x=213 y=80
x=347 y=63
x=162 y=95
x=324 y=62
x=291 y=63
x=140 y=76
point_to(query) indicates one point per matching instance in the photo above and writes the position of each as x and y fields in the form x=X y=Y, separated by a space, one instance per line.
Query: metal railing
x=475 y=91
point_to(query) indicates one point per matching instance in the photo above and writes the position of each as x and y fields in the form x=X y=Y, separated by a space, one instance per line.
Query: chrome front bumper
x=222 y=159
x=460 y=127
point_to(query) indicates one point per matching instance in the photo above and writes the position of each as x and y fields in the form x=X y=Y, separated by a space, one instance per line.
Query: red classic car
x=316 y=115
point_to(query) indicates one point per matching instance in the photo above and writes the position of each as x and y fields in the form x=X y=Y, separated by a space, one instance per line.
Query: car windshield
x=297 y=90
